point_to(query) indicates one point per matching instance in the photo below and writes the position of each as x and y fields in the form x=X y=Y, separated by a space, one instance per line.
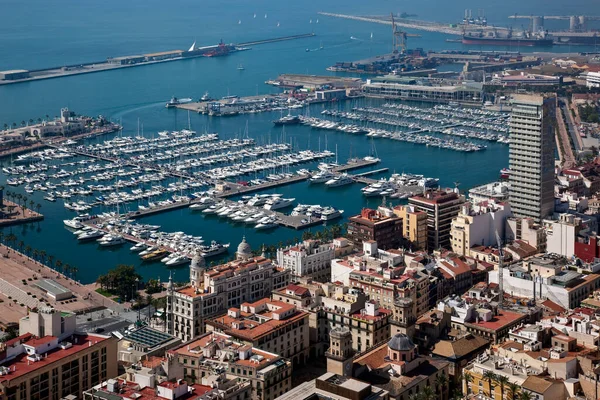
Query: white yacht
x=90 y=235
x=214 y=249
x=340 y=180
x=179 y=259
x=330 y=213
x=277 y=203
x=111 y=240
x=267 y=223
x=254 y=218
x=139 y=247
x=321 y=177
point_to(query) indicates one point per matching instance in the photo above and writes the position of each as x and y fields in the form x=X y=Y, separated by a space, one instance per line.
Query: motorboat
x=340 y=180
x=321 y=177
x=277 y=203
x=111 y=240
x=179 y=259
x=139 y=247
x=155 y=255
x=330 y=213
x=267 y=223
x=90 y=235
x=175 y=102
x=214 y=249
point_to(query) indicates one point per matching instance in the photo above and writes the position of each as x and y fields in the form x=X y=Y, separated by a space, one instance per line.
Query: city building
x=592 y=79
x=51 y=360
x=273 y=326
x=497 y=191
x=144 y=342
x=561 y=234
x=331 y=386
x=437 y=94
x=373 y=225
x=528 y=230
x=211 y=292
x=441 y=206
x=478 y=224
x=269 y=374
x=414 y=225
x=531 y=156
x=310 y=259
x=547 y=277
x=459 y=352
x=397 y=367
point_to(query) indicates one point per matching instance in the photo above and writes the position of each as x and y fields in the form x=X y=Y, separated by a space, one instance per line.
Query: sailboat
x=239 y=22
x=240 y=67
x=265 y=16
x=277 y=23
x=371 y=35
x=254 y=15
x=317 y=20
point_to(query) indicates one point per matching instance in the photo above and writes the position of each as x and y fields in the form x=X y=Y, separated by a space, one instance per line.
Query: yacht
x=111 y=240
x=321 y=177
x=139 y=247
x=75 y=223
x=179 y=259
x=267 y=223
x=49 y=197
x=90 y=235
x=254 y=218
x=330 y=213
x=214 y=249
x=277 y=203
x=340 y=180
x=148 y=250
x=155 y=255
x=203 y=204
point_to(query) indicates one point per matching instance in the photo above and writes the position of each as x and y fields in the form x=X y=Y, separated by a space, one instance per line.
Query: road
x=571 y=127
x=109 y=321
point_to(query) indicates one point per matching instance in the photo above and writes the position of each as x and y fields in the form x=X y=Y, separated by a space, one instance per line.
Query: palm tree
x=31 y=204
x=36 y=254
x=67 y=269
x=1 y=236
x=490 y=376
x=427 y=393
x=51 y=260
x=502 y=381
x=440 y=383
x=525 y=395
x=28 y=250
x=513 y=390
x=37 y=207
x=74 y=271
x=43 y=255
x=20 y=245
x=30 y=121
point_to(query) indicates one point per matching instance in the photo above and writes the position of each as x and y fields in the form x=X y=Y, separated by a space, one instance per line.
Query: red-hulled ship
x=221 y=50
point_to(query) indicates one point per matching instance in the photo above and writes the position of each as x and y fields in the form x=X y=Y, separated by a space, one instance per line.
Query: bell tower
x=339 y=355
x=403 y=319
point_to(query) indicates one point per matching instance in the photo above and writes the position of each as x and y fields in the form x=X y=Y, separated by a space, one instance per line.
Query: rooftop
x=20 y=366
x=503 y=319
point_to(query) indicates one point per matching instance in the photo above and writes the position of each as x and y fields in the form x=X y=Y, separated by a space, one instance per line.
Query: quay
x=54 y=142
x=279 y=39
x=113 y=63
x=16 y=215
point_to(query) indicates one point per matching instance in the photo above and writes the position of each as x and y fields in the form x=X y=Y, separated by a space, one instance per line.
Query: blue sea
x=39 y=34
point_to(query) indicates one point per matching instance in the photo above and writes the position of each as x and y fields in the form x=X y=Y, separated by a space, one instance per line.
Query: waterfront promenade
x=14 y=214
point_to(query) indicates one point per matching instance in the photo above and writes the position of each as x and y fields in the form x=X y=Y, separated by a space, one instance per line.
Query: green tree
x=427 y=393
x=440 y=383
x=512 y=390
x=59 y=265
x=502 y=382
x=523 y=395
x=490 y=376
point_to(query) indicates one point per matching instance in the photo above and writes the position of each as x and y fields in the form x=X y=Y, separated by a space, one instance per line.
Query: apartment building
x=269 y=374
x=477 y=224
x=311 y=259
x=51 y=360
x=374 y=225
x=212 y=292
x=531 y=156
x=441 y=206
x=414 y=226
x=272 y=326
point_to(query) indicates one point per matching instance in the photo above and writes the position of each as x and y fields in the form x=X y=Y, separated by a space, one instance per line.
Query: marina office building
x=531 y=156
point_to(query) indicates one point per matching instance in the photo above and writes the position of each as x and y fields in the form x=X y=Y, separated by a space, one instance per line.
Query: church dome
x=244 y=248
x=401 y=342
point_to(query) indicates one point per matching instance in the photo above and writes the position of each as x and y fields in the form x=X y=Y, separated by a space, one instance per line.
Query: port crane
x=398 y=38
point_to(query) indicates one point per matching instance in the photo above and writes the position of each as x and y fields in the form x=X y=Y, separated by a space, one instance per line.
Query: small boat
x=240 y=67
x=50 y=198
x=267 y=223
x=330 y=213
x=205 y=97
x=340 y=180
x=148 y=250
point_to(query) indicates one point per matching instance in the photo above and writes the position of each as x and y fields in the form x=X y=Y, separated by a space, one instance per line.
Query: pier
x=133 y=61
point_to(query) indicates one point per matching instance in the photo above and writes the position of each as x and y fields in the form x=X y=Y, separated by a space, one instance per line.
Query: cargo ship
x=221 y=50
x=495 y=39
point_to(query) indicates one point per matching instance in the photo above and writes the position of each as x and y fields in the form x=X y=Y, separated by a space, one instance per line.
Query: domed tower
x=401 y=348
x=339 y=355
x=197 y=269
x=244 y=251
